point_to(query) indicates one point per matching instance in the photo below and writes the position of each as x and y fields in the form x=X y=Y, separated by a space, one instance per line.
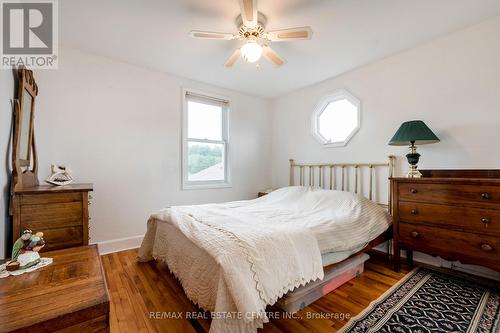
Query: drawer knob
x=415 y=234
x=485 y=195
x=414 y=212
x=486 y=247
x=485 y=220
x=413 y=190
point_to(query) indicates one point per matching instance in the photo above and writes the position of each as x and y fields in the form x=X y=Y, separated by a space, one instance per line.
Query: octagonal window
x=336 y=119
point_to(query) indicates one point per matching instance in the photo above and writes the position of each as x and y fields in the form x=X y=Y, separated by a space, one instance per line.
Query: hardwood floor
x=139 y=289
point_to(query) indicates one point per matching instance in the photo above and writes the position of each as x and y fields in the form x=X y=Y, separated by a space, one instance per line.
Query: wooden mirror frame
x=29 y=176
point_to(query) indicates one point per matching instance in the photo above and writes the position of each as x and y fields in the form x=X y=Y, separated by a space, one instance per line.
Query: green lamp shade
x=415 y=131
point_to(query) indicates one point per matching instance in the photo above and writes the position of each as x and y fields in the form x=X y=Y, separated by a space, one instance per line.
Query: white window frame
x=212 y=184
x=336 y=95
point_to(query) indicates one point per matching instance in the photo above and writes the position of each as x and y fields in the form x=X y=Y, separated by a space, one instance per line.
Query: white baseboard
x=119 y=244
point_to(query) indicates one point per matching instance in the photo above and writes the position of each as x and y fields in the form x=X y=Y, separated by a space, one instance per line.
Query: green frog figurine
x=25 y=250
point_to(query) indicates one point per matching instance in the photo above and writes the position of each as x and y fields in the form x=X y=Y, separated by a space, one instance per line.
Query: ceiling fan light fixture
x=251 y=26
x=251 y=51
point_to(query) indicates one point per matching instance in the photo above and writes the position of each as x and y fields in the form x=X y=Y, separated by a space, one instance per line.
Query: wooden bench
x=69 y=295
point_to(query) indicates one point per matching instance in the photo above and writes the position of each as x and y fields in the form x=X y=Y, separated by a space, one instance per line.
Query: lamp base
x=413 y=172
x=413 y=158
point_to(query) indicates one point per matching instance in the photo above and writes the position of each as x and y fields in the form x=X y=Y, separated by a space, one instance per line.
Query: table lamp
x=411 y=133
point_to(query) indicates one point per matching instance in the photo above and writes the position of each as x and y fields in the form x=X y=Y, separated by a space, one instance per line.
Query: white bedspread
x=340 y=221
x=236 y=258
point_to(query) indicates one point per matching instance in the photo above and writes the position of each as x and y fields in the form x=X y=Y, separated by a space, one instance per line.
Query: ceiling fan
x=256 y=40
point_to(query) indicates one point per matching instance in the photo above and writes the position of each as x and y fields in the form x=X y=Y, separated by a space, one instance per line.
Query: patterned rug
x=427 y=301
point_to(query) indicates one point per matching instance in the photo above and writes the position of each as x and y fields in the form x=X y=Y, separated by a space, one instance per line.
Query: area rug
x=429 y=301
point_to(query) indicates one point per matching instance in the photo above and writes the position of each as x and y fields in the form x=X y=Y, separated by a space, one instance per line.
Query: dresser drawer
x=61 y=238
x=34 y=199
x=479 y=220
x=450 y=244
x=472 y=195
x=52 y=215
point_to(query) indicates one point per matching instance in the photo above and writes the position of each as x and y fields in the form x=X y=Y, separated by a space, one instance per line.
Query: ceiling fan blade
x=233 y=58
x=211 y=35
x=272 y=56
x=290 y=34
x=249 y=13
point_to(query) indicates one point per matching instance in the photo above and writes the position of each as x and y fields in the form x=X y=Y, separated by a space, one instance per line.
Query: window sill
x=205 y=186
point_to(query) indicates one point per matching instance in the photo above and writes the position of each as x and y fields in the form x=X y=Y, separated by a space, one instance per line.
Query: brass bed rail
x=327 y=176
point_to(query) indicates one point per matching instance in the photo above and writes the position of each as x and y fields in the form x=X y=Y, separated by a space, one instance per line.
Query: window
x=336 y=119
x=205 y=141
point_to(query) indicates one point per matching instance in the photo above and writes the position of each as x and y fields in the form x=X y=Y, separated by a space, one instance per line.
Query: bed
x=235 y=259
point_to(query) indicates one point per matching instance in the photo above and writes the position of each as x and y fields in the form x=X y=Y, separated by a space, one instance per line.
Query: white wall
x=452 y=83
x=6 y=95
x=119 y=126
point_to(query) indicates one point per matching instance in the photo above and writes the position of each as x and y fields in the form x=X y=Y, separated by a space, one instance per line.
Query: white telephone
x=60 y=176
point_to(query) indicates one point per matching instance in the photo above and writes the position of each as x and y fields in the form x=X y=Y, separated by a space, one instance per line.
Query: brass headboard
x=329 y=181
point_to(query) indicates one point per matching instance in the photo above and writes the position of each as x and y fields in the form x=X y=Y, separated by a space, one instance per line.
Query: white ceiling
x=347 y=34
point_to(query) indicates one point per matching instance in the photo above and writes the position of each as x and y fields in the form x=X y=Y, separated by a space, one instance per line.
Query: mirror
x=24 y=156
x=25 y=126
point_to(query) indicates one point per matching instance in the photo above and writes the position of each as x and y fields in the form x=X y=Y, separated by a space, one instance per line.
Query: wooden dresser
x=60 y=212
x=453 y=214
